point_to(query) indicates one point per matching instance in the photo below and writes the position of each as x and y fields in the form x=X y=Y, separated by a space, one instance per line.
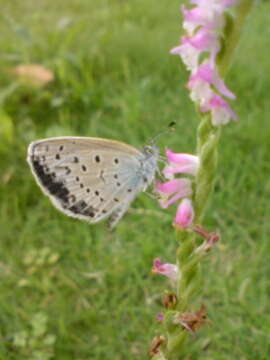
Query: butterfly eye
x=148 y=149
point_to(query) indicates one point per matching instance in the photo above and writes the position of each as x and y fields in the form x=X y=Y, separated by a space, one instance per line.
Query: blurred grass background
x=69 y=290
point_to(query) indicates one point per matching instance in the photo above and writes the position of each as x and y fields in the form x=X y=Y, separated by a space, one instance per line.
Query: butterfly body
x=92 y=178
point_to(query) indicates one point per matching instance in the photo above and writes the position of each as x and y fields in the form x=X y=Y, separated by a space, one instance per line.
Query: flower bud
x=184 y=214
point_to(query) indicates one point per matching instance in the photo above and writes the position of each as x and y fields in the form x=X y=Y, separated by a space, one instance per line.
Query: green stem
x=188 y=283
x=233 y=30
x=207 y=143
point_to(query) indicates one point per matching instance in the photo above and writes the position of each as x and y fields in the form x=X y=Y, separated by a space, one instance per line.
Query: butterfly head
x=151 y=150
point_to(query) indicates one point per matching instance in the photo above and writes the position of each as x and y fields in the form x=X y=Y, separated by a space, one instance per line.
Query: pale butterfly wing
x=91 y=178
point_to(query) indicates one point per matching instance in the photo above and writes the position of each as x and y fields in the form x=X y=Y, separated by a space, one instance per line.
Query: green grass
x=69 y=290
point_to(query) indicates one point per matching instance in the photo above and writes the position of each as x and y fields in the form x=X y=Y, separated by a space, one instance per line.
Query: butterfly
x=92 y=178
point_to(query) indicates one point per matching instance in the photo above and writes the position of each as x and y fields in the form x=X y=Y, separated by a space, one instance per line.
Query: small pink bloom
x=173 y=190
x=200 y=91
x=185 y=214
x=200 y=16
x=221 y=111
x=201 y=79
x=159 y=316
x=188 y=54
x=169 y=270
x=199 y=83
x=181 y=163
x=204 y=40
x=192 y=46
x=193 y=18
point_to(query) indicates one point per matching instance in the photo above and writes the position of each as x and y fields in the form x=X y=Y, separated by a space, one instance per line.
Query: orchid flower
x=169 y=270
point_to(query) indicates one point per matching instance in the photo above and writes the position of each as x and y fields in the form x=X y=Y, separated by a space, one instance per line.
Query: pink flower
x=172 y=190
x=221 y=112
x=201 y=79
x=169 y=270
x=181 y=163
x=204 y=40
x=200 y=90
x=193 y=18
x=188 y=54
x=159 y=316
x=199 y=16
x=185 y=214
x=192 y=46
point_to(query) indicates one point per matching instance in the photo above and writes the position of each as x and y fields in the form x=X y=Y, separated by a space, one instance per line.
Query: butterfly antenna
x=169 y=128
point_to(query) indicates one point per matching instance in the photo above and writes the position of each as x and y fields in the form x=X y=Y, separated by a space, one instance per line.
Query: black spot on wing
x=48 y=180
x=82 y=208
x=89 y=212
x=78 y=207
